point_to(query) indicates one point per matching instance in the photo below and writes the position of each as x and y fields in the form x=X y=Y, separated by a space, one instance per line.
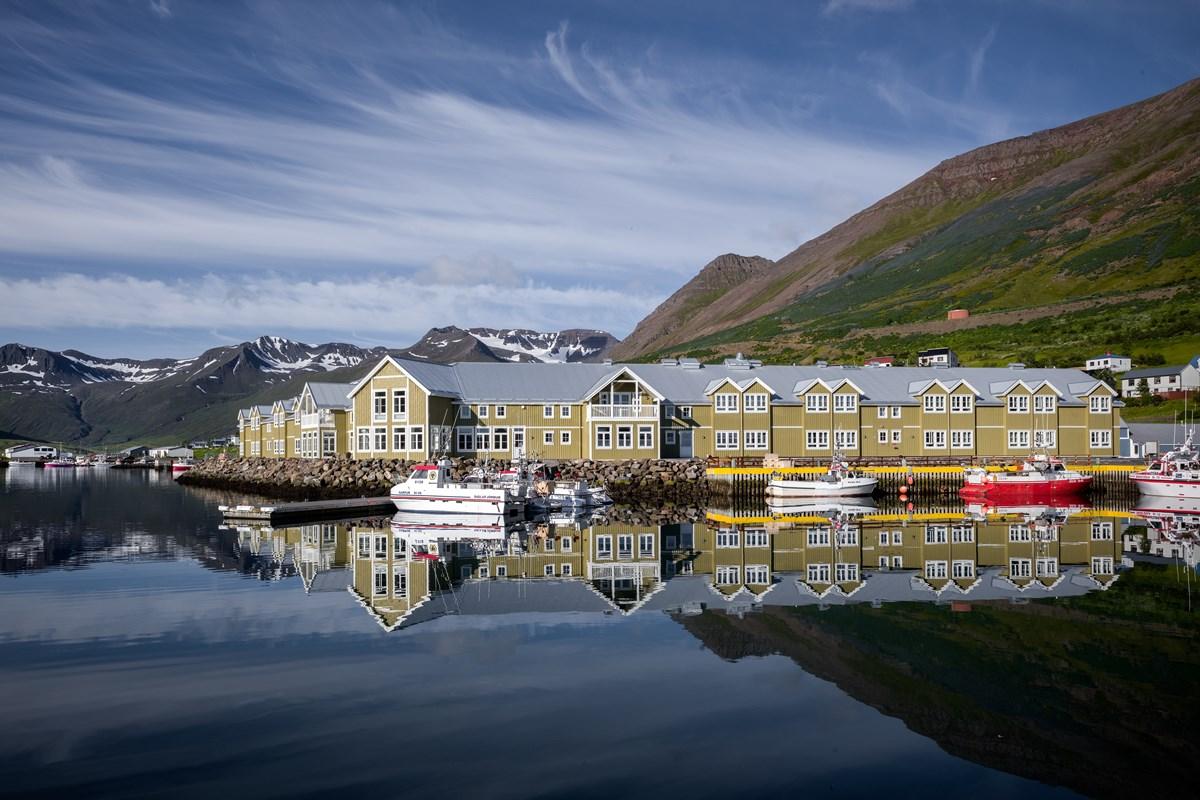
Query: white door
x=685 y=444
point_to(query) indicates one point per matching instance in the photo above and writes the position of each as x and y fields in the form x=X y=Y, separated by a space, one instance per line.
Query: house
x=937 y=357
x=136 y=451
x=172 y=452
x=23 y=453
x=411 y=409
x=880 y=361
x=1170 y=382
x=1110 y=362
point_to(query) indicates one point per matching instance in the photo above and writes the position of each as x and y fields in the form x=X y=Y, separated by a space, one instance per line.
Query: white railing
x=623 y=411
x=316 y=419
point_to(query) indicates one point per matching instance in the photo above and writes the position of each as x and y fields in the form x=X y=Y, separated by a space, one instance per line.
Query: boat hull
x=853 y=487
x=1027 y=490
x=1162 y=487
x=450 y=504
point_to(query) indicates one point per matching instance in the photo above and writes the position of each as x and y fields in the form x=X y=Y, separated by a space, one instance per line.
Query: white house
x=1167 y=381
x=171 y=452
x=937 y=357
x=1109 y=361
x=31 y=452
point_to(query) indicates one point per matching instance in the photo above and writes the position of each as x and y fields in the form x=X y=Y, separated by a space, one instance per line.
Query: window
x=548 y=412
x=1102 y=565
x=962 y=440
x=399 y=581
x=935 y=534
x=416 y=438
x=465 y=440
x=603 y=436
x=501 y=412
x=848 y=537
x=565 y=570
x=885 y=538
x=935 y=569
x=564 y=437
x=1099 y=404
x=758 y=573
x=548 y=570
x=328 y=442
x=625 y=437
x=961 y=404
x=935 y=403
x=669 y=437
x=897 y=562
x=845 y=572
x=483 y=439
x=846 y=440
x=625 y=545
x=896 y=436
x=1018 y=404
x=895 y=412
x=1047 y=567
x=816 y=402
x=883 y=562
x=1101 y=439
x=364 y=546
x=756 y=537
x=379 y=409
x=685 y=412
x=502 y=570
x=881 y=412
x=962 y=569
x=726 y=403
x=547 y=437
x=816 y=440
x=756 y=440
x=727 y=576
x=381 y=439
x=603 y=547
x=399 y=403
x=962 y=534
x=645 y=544
x=1019 y=533
x=499 y=438
x=381 y=579
x=818 y=537
x=380 y=543
x=464 y=412
x=883 y=436
x=845 y=403
x=727 y=440
x=567 y=544
x=818 y=573
x=1102 y=531
x=935 y=440
x=645 y=436
x=1018 y=439
x=1045 y=438
x=756 y=403
x=727 y=537
x=1044 y=403
x=399 y=439
x=364 y=439
x=399 y=547
x=564 y=412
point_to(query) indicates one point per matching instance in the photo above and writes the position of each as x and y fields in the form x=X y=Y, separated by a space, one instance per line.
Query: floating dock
x=311 y=509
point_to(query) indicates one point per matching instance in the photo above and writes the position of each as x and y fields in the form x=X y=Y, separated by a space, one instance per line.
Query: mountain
x=493 y=344
x=1048 y=233
x=75 y=398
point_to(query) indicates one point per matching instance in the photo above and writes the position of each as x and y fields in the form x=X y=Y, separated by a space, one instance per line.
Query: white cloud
x=836 y=6
x=976 y=61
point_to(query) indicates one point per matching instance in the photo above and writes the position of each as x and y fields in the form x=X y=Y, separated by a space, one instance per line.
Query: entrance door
x=685 y=444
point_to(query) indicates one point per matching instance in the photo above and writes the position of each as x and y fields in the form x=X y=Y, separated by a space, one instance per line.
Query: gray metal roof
x=527 y=383
x=1152 y=372
x=330 y=395
x=1160 y=432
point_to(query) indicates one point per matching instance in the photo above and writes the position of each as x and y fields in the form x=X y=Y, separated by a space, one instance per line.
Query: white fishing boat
x=788 y=507
x=569 y=495
x=1175 y=474
x=430 y=489
x=181 y=466
x=838 y=481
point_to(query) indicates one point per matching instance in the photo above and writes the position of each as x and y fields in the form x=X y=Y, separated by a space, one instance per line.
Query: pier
x=308 y=510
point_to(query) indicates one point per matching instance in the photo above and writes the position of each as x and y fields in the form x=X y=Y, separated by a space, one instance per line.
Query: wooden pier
x=312 y=509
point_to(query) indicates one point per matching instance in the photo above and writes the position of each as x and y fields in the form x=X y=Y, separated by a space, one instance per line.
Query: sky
x=179 y=174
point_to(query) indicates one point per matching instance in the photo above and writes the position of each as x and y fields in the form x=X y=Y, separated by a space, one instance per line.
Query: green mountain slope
x=1049 y=227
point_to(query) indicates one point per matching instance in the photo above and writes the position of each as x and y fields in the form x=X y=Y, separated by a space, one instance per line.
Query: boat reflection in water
x=412 y=569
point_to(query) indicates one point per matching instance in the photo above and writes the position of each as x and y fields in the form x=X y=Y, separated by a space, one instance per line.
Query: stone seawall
x=633 y=481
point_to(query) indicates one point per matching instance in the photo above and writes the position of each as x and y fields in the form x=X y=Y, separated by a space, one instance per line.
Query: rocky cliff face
x=1024 y=206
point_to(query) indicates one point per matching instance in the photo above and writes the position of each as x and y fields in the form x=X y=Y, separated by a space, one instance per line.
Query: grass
x=1166 y=411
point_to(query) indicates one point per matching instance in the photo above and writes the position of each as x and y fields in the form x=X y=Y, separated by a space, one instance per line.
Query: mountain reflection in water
x=1020 y=639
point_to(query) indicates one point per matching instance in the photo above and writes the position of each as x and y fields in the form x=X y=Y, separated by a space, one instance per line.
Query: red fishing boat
x=1040 y=477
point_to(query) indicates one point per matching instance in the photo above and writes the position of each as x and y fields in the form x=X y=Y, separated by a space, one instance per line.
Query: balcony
x=316 y=420
x=610 y=412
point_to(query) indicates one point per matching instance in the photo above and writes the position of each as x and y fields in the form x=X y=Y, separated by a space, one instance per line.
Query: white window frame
x=1102 y=565
x=379 y=398
x=564 y=412
x=1099 y=439
x=645 y=545
x=1099 y=404
x=936 y=569
x=962 y=568
x=756 y=403
x=1044 y=403
x=564 y=437
x=728 y=538
x=896 y=434
x=962 y=404
x=818 y=573
x=400 y=404
x=935 y=403
x=565 y=570
x=399 y=439
x=816 y=440
x=482 y=413
x=726 y=440
x=725 y=402
x=755 y=440
x=1102 y=531
x=756 y=537
x=1020 y=532
x=567 y=544
x=500 y=440
x=935 y=440
x=1045 y=437
x=1046 y=567
x=817 y=536
x=1018 y=440
x=816 y=403
x=845 y=440
x=547 y=437
x=727 y=575
x=379 y=440
x=845 y=403
x=882 y=436
x=501 y=412
x=548 y=571
x=645 y=437
x=845 y=572
x=399 y=580
x=548 y=412
x=1018 y=404
x=962 y=440
x=881 y=412
x=604 y=437
x=416 y=438
x=604 y=545
x=669 y=437
x=685 y=412
x=937 y=534
x=758 y=574
x=962 y=534
x=625 y=434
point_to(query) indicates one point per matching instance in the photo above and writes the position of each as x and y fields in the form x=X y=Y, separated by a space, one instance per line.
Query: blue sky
x=177 y=174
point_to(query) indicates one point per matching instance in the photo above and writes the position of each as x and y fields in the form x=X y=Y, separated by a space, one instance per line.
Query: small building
x=1169 y=382
x=1109 y=361
x=31 y=452
x=958 y=313
x=137 y=451
x=1153 y=438
x=880 y=361
x=172 y=452
x=937 y=357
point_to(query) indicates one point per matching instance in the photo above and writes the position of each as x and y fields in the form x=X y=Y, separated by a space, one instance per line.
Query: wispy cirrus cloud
x=840 y=6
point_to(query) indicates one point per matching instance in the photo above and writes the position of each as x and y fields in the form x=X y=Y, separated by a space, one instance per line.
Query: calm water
x=147 y=651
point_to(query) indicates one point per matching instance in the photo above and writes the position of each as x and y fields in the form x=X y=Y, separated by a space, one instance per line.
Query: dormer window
x=1099 y=404
x=1018 y=404
x=845 y=403
x=961 y=403
x=935 y=403
x=816 y=403
x=1044 y=404
x=727 y=403
x=756 y=403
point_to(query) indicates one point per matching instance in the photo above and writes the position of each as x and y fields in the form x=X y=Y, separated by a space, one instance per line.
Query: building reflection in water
x=409 y=570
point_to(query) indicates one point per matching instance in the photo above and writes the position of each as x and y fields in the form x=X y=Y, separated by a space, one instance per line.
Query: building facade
x=407 y=409
x=1172 y=381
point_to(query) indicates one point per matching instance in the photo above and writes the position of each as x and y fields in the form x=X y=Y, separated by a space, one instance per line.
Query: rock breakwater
x=632 y=481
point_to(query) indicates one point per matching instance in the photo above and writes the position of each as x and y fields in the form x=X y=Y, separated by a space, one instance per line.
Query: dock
x=310 y=509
